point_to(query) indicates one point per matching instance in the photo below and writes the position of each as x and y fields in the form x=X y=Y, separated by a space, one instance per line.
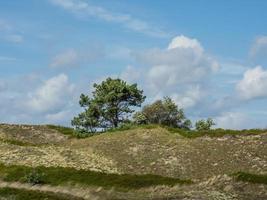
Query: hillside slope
x=207 y=161
x=157 y=151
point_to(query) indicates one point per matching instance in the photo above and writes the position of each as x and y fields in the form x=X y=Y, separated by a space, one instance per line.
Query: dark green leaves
x=111 y=103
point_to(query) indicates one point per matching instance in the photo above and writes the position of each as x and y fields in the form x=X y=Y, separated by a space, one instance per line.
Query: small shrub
x=139 y=118
x=204 y=125
x=35 y=177
x=163 y=112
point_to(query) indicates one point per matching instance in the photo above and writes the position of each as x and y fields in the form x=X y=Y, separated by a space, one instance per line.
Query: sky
x=209 y=56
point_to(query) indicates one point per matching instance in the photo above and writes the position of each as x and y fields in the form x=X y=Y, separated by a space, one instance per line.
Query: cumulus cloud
x=53 y=95
x=38 y=101
x=190 y=97
x=86 y=10
x=233 y=120
x=184 y=61
x=253 y=85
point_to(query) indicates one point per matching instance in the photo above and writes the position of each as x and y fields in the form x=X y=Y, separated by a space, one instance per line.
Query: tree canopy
x=204 y=125
x=164 y=112
x=110 y=104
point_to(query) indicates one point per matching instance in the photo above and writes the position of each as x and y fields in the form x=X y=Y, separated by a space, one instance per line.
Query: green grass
x=23 y=194
x=131 y=127
x=185 y=133
x=63 y=176
x=215 y=132
x=71 y=132
x=191 y=133
x=252 y=178
x=63 y=130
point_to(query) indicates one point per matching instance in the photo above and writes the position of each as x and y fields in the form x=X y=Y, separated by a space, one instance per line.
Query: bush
x=35 y=177
x=204 y=125
x=140 y=119
x=163 y=112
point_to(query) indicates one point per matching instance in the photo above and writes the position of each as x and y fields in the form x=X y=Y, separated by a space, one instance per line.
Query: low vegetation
x=251 y=178
x=131 y=126
x=71 y=132
x=215 y=132
x=62 y=176
x=23 y=194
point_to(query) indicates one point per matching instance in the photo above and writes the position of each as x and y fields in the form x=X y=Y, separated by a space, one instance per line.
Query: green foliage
x=70 y=131
x=139 y=118
x=132 y=126
x=35 y=177
x=163 y=112
x=64 y=130
x=62 y=176
x=204 y=125
x=23 y=194
x=252 y=178
x=111 y=102
x=215 y=132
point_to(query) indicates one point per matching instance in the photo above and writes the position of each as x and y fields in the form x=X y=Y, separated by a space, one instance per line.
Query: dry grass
x=203 y=159
x=156 y=151
x=30 y=135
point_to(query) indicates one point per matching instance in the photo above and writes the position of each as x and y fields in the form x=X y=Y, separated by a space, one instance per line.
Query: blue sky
x=209 y=56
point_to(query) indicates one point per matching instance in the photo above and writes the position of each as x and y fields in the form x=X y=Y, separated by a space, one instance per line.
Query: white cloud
x=254 y=84
x=85 y=9
x=67 y=58
x=189 y=98
x=259 y=47
x=183 y=62
x=185 y=42
x=233 y=120
x=53 y=95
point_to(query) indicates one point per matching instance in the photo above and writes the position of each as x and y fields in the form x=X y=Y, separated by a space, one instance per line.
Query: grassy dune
x=144 y=162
